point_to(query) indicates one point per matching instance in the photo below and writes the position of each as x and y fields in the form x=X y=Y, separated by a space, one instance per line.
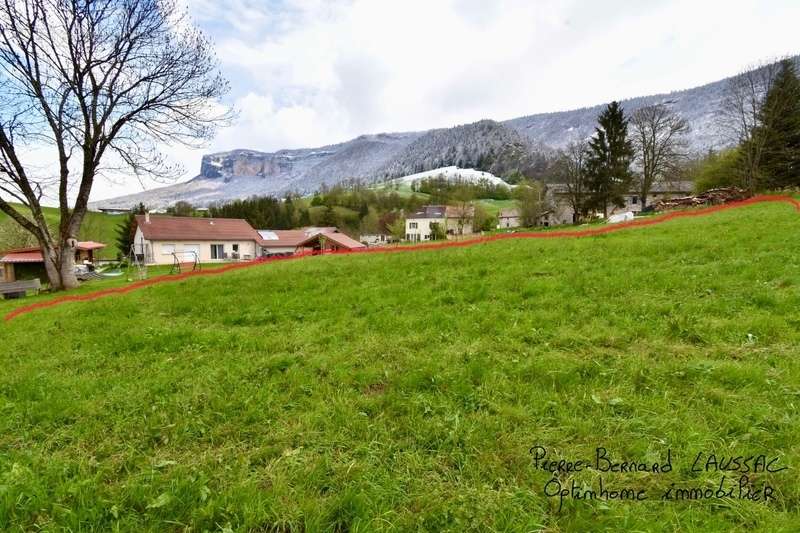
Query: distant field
x=96 y=227
x=403 y=392
x=492 y=207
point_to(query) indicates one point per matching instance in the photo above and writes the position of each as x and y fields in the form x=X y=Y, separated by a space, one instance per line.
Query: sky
x=306 y=73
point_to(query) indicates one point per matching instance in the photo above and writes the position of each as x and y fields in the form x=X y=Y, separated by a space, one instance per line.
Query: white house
x=158 y=237
x=509 y=218
x=454 y=221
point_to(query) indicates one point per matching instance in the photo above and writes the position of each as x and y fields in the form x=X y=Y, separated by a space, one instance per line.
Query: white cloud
x=313 y=72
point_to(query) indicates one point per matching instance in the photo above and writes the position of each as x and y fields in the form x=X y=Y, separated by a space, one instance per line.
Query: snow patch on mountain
x=452 y=173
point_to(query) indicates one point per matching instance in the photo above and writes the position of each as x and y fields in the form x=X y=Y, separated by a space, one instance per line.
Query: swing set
x=187 y=261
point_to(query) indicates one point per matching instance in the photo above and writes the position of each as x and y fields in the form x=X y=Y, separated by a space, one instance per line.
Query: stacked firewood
x=721 y=195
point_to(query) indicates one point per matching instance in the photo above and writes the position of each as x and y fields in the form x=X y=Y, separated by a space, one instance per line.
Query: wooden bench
x=17 y=289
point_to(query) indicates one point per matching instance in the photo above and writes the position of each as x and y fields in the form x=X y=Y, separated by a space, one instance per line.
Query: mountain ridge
x=498 y=147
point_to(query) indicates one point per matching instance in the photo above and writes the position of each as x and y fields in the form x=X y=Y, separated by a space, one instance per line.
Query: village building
x=330 y=241
x=288 y=242
x=160 y=239
x=560 y=211
x=509 y=218
x=276 y=242
x=452 y=221
x=28 y=263
x=376 y=239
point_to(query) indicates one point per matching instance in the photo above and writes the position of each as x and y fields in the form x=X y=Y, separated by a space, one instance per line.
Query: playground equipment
x=185 y=262
x=137 y=263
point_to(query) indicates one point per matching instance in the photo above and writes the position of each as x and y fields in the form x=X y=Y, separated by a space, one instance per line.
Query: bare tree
x=659 y=139
x=570 y=169
x=97 y=81
x=532 y=202
x=462 y=208
x=741 y=116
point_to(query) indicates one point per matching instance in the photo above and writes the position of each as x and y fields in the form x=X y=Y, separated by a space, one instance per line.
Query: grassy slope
x=402 y=392
x=99 y=227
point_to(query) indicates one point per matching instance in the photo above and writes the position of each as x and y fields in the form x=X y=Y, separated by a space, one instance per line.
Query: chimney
x=147 y=217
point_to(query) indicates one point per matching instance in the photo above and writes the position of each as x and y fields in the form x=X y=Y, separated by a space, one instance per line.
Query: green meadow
x=100 y=227
x=403 y=392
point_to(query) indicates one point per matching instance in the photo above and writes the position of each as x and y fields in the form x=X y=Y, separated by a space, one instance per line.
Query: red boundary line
x=658 y=219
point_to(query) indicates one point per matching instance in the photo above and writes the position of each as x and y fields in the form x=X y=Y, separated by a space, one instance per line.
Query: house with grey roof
x=451 y=221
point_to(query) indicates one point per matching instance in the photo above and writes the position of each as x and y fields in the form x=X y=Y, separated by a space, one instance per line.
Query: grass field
x=402 y=392
x=99 y=227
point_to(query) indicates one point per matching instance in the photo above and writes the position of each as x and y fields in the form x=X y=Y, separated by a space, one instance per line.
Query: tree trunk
x=51 y=266
x=59 y=263
x=67 y=269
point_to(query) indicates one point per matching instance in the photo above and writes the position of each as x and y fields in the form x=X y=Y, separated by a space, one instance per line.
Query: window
x=217 y=251
x=190 y=251
x=235 y=248
x=634 y=200
x=167 y=249
x=412 y=225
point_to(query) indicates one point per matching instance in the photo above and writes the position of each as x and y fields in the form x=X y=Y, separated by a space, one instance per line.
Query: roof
x=340 y=239
x=443 y=211
x=673 y=186
x=34 y=254
x=430 y=211
x=280 y=238
x=319 y=229
x=90 y=245
x=161 y=228
x=290 y=237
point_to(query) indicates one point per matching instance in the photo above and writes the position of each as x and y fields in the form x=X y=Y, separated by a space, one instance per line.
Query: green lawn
x=100 y=227
x=402 y=392
x=129 y=276
x=493 y=207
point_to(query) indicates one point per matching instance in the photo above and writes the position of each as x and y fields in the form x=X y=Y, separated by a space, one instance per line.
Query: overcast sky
x=306 y=73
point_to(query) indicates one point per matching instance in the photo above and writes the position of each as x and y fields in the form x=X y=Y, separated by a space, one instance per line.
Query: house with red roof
x=289 y=242
x=330 y=241
x=28 y=263
x=159 y=239
x=277 y=242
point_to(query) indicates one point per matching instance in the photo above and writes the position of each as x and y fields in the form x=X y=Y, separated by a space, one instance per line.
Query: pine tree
x=608 y=160
x=305 y=218
x=328 y=217
x=780 y=159
x=289 y=212
x=126 y=231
